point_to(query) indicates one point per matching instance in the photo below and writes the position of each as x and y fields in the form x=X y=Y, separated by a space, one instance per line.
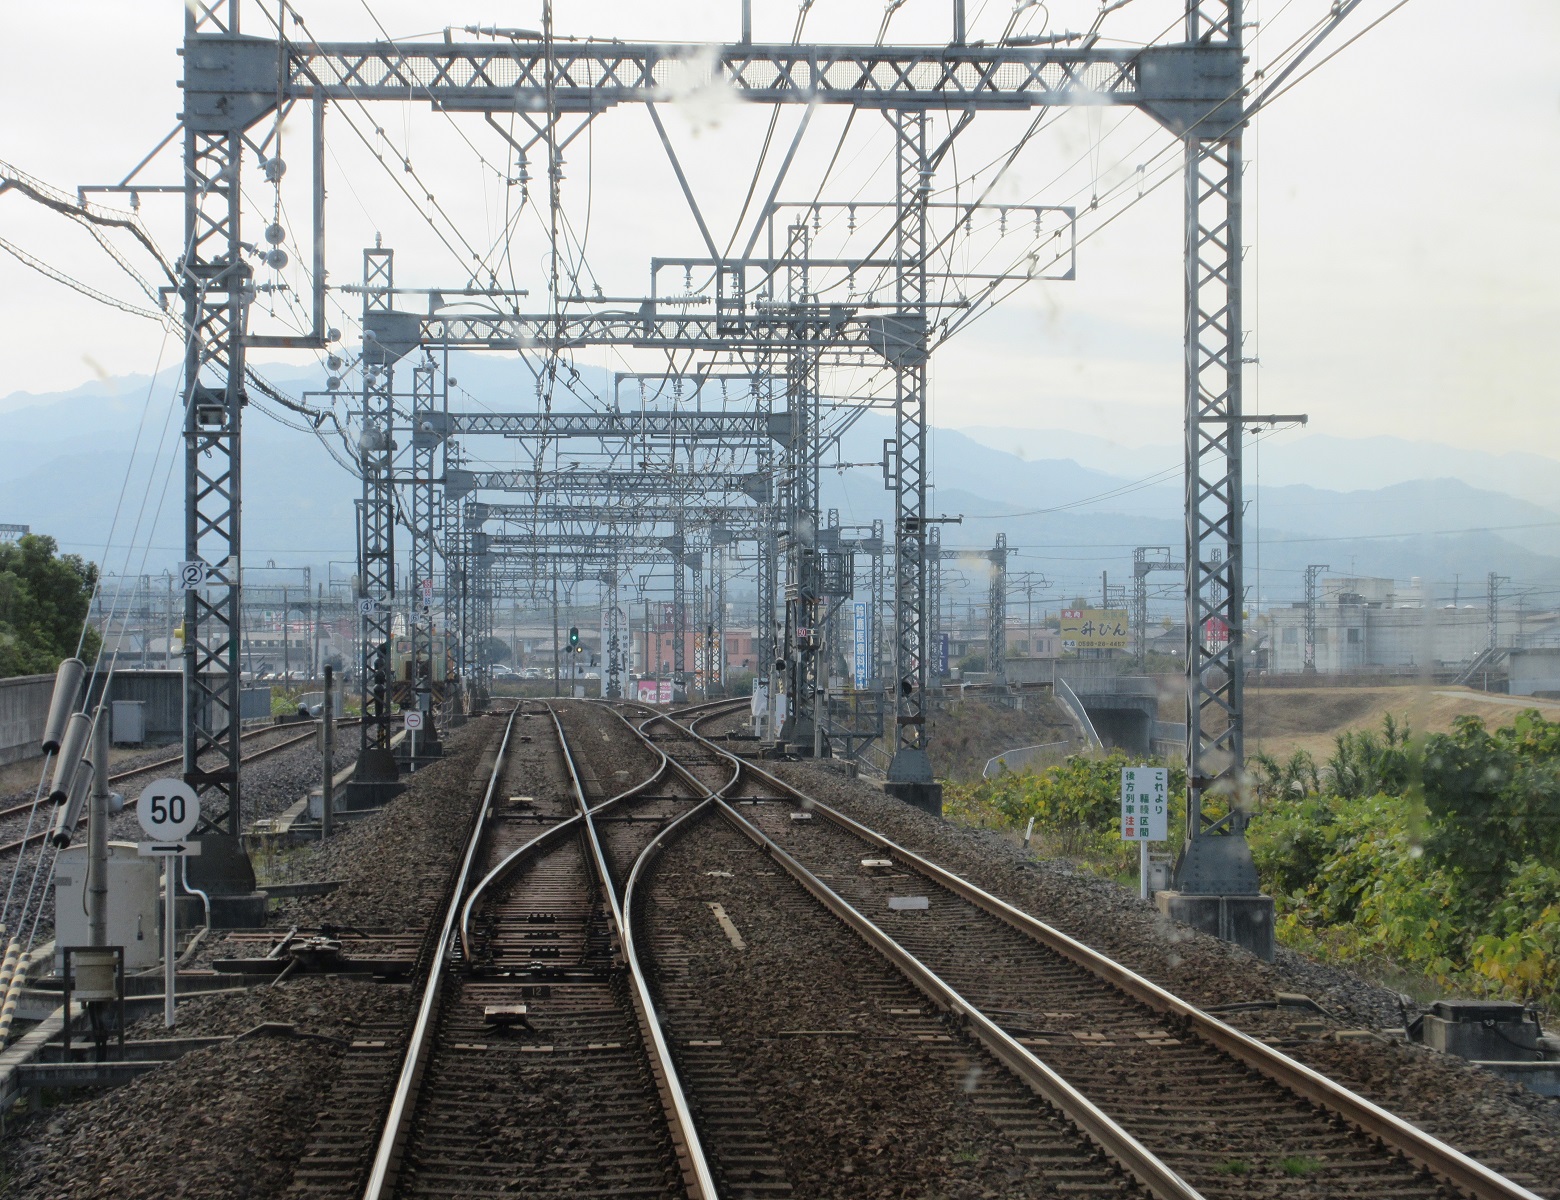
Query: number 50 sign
x=168 y=809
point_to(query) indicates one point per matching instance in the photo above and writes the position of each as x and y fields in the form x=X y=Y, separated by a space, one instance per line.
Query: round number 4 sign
x=168 y=810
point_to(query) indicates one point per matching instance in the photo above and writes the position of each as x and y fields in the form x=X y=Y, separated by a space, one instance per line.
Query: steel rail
x=544 y=839
x=392 y=1135
x=1099 y=1127
x=1429 y=1152
x=540 y=842
x=681 y=1116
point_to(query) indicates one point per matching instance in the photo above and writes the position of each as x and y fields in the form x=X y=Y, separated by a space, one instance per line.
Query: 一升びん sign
x=1094 y=629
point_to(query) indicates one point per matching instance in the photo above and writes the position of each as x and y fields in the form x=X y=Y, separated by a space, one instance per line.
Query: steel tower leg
x=377 y=776
x=680 y=615
x=876 y=606
x=482 y=621
x=1140 y=601
x=696 y=567
x=799 y=509
x=996 y=615
x=216 y=289
x=426 y=414
x=451 y=548
x=768 y=545
x=910 y=771
x=612 y=665
x=1215 y=876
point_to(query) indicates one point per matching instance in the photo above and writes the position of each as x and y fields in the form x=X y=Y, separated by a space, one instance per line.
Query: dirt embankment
x=968 y=732
x=1280 y=721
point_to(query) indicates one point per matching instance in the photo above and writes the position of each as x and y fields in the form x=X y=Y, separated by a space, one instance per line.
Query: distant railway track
x=176 y=760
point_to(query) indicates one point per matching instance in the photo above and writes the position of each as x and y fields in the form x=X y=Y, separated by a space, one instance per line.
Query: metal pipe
x=97 y=835
x=328 y=751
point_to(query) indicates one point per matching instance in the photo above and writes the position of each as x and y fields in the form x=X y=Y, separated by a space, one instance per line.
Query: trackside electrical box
x=133 y=903
x=129 y=722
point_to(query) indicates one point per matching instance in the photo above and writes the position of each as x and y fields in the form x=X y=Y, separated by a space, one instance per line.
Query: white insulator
x=78 y=732
x=67 y=686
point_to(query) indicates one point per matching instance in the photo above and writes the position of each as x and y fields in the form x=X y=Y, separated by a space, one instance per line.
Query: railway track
x=573 y=1037
x=22 y=810
x=1187 y=1105
x=534 y=1012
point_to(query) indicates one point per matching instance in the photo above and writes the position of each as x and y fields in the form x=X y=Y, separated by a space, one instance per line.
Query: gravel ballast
x=1499 y=1123
x=235 y=1119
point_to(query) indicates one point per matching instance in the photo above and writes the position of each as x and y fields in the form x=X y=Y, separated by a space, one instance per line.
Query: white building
x=1366 y=624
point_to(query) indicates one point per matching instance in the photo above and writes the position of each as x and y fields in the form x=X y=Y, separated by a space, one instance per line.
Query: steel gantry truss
x=376 y=767
x=1215 y=859
x=1194 y=88
x=1142 y=567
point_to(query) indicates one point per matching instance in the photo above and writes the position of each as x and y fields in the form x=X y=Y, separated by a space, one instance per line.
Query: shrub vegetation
x=1434 y=857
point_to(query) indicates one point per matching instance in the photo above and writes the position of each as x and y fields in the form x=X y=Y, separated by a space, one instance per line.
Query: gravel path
x=394 y=862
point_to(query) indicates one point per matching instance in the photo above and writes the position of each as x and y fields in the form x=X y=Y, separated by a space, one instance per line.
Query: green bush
x=1076 y=806
x=1440 y=855
x=1437 y=856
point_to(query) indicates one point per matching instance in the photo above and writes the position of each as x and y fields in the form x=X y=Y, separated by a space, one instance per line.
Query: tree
x=44 y=598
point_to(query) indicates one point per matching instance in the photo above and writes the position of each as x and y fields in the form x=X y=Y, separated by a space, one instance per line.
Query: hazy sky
x=1406 y=237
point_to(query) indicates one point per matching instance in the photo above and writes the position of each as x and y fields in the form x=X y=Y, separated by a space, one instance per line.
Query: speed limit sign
x=168 y=809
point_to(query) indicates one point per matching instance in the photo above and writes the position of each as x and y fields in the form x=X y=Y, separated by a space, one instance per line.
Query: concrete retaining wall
x=24 y=707
x=161 y=691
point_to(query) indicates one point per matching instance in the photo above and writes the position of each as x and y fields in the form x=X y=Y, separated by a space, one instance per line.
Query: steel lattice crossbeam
x=1194 y=88
x=731 y=428
x=590 y=77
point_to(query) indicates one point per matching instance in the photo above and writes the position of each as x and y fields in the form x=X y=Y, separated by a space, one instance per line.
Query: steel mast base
x=910 y=779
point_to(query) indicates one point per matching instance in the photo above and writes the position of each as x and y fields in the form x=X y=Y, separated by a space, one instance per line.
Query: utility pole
x=996 y=614
x=1493 y=601
x=1313 y=573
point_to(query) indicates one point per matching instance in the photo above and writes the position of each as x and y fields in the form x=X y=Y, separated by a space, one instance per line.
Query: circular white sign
x=414 y=720
x=168 y=809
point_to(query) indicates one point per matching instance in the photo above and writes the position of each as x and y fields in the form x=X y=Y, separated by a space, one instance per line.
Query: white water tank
x=133 y=888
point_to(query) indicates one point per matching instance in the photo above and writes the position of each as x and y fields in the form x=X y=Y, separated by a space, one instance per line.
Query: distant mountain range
x=1071 y=505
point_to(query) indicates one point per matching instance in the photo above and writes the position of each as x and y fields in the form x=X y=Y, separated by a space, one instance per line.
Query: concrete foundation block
x=1482 y=1030
x=245 y=910
x=928 y=797
x=363 y=794
x=1540 y=1077
x=1245 y=920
